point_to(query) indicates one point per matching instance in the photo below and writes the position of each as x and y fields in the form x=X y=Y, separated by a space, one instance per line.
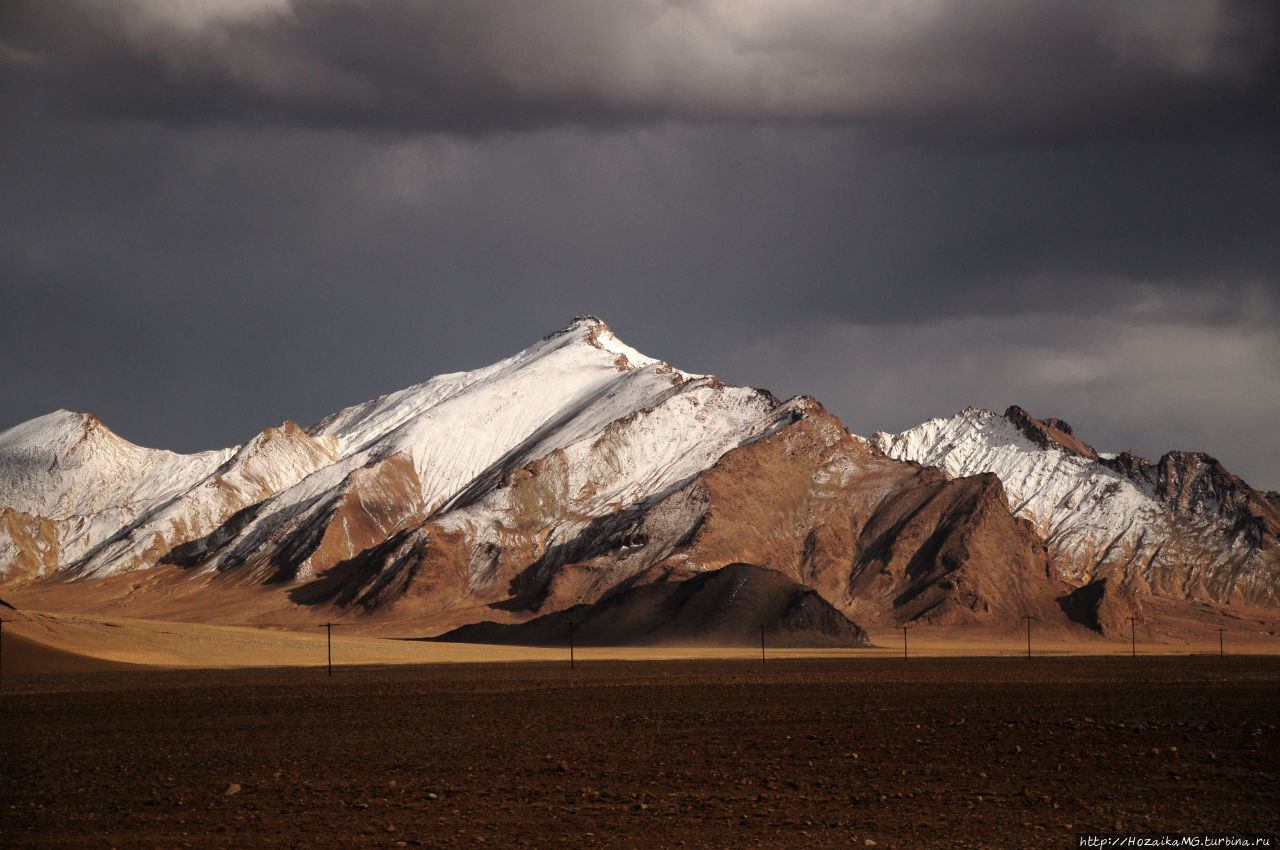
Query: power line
x=571 y=624
x=328 y=627
x=1029 y=618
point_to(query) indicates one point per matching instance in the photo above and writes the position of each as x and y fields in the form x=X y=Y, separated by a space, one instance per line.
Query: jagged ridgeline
x=1182 y=527
x=580 y=469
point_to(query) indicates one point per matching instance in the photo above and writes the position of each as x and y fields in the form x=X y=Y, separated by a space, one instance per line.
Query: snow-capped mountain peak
x=1176 y=527
x=580 y=465
x=456 y=436
x=69 y=468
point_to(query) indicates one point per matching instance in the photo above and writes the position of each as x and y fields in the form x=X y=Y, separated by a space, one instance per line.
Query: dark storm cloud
x=219 y=215
x=1146 y=379
x=990 y=69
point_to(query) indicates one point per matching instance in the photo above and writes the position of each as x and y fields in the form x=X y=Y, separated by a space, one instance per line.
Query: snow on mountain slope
x=28 y=545
x=68 y=469
x=641 y=456
x=120 y=507
x=580 y=467
x=1105 y=515
x=1070 y=499
x=587 y=343
x=878 y=538
x=68 y=464
x=625 y=425
x=272 y=461
x=457 y=426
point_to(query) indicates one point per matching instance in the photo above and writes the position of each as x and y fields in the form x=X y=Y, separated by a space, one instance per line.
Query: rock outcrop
x=1107 y=607
x=725 y=607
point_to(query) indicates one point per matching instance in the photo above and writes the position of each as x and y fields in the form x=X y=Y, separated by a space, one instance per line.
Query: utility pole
x=571 y=625
x=904 y=641
x=762 y=643
x=1029 y=618
x=328 y=627
x=1220 y=631
x=1133 y=637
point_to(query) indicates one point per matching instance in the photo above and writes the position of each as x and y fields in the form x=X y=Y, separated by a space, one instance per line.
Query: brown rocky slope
x=572 y=472
x=883 y=541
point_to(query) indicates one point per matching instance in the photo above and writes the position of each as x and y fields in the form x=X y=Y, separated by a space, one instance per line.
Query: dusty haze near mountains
x=218 y=216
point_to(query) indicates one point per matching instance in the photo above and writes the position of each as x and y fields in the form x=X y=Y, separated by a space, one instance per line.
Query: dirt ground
x=833 y=752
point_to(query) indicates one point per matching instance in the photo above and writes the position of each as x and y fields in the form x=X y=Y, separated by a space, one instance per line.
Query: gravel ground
x=793 y=753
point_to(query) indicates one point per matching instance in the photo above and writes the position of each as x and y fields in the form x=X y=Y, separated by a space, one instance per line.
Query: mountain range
x=579 y=470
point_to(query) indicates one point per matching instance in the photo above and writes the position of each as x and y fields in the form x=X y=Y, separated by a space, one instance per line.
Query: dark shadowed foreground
x=793 y=753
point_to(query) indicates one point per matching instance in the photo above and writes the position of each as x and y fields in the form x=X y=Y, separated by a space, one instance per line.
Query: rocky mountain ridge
x=579 y=468
x=1182 y=526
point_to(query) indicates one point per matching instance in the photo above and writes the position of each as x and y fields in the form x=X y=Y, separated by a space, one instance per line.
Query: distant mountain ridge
x=1182 y=526
x=580 y=467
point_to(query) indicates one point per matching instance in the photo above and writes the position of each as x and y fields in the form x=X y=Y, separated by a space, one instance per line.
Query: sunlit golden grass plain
x=32 y=636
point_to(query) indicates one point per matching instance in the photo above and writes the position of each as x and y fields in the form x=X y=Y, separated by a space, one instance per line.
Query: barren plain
x=674 y=751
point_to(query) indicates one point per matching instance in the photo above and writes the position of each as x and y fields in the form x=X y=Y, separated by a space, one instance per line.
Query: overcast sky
x=220 y=215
